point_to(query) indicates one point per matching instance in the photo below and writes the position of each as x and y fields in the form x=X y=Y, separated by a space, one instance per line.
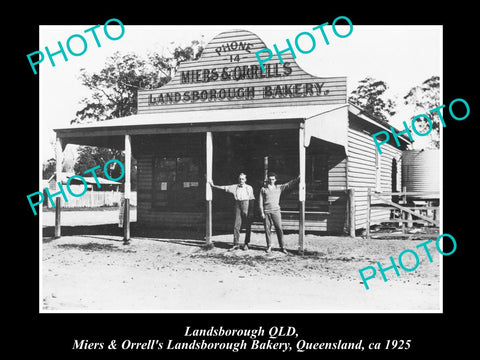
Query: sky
x=402 y=56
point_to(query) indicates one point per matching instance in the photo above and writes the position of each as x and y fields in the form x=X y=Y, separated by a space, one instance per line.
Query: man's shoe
x=245 y=247
x=284 y=251
x=234 y=247
x=269 y=249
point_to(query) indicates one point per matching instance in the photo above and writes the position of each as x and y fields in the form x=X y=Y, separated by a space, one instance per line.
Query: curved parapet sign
x=228 y=75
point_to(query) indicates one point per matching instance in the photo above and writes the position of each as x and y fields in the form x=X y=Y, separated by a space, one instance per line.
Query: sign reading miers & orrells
x=228 y=75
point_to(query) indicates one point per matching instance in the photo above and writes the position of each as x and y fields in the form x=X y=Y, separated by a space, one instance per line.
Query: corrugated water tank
x=421 y=171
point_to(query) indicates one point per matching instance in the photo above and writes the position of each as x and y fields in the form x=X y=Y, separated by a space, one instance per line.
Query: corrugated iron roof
x=228 y=116
x=212 y=116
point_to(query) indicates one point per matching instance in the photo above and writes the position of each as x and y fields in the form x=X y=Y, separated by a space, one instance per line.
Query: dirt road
x=99 y=273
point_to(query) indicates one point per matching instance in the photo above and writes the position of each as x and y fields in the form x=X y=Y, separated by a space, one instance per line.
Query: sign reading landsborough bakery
x=227 y=75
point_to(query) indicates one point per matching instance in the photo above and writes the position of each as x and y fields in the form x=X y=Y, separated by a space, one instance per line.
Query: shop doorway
x=253 y=153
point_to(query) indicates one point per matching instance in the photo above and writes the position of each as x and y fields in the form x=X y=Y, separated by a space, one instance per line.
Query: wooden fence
x=337 y=218
x=405 y=213
x=96 y=199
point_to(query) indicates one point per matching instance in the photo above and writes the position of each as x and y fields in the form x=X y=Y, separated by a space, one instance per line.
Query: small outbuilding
x=108 y=194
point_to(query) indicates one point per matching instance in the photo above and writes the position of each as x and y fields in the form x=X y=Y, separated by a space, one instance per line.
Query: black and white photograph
x=231 y=179
x=238 y=168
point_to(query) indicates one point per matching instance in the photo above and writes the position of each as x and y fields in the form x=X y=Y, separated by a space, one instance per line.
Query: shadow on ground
x=187 y=236
x=135 y=231
x=94 y=247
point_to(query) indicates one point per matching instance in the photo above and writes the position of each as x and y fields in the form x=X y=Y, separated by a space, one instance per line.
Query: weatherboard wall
x=362 y=170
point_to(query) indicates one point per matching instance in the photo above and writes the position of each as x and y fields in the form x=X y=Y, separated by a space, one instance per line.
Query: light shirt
x=244 y=192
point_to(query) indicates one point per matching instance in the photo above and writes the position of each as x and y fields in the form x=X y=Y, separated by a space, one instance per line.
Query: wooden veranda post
x=208 y=189
x=301 y=188
x=58 y=171
x=127 y=189
x=351 y=211
x=265 y=169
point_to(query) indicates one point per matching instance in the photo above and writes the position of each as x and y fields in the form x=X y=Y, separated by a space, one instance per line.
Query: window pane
x=164 y=174
x=190 y=192
x=178 y=184
x=317 y=183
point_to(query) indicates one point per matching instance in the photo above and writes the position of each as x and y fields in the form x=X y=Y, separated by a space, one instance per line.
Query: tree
x=49 y=168
x=423 y=98
x=114 y=94
x=114 y=88
x=91 y=156
x=369 y=96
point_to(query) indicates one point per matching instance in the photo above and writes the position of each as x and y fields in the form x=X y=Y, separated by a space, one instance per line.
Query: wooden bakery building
x=221 y=115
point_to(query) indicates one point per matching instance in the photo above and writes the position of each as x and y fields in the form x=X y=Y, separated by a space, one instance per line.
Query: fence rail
x=408 y=215
x=97 y=199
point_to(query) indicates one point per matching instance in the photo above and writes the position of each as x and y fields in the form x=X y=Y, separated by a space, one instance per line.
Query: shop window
x=316 y=183
x=178 y=184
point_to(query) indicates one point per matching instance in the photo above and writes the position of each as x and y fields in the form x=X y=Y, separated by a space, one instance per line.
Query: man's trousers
x=274 y=218
x=243 y=214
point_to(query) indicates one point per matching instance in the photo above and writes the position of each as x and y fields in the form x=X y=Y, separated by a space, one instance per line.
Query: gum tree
x=113 y=93
x=423 y=98
x=370 y=96
x=114 y=88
